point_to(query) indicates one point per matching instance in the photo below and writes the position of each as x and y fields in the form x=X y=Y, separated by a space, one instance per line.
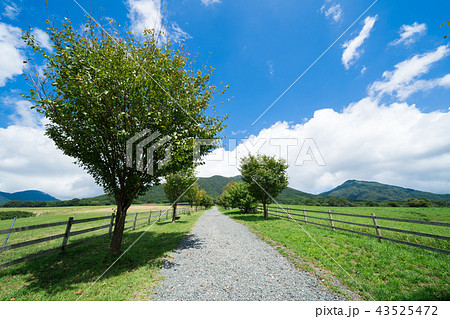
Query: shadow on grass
x=249 y=217
x=63 y=271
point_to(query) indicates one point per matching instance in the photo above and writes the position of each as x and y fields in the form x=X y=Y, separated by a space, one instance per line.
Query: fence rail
x=151 y=216
x=292 y=214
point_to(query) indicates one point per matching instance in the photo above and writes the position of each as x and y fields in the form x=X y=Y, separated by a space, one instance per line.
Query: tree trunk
x=116 y=241
x=174 y=213
x=265 y=210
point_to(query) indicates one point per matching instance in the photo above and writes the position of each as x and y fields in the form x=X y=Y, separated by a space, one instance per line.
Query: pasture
x=375 y=270
x=66 y=275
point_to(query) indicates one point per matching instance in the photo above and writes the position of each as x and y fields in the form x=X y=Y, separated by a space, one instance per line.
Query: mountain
x=361 y=190
x=31 y=195
x=213 y=186
x=3 y=200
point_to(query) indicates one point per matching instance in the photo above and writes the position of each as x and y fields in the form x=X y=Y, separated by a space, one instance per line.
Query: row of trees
x=182 y=184
x=264 y=177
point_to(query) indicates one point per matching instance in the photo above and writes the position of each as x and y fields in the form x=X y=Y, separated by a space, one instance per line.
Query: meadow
x=372 y=269
x=67 y=275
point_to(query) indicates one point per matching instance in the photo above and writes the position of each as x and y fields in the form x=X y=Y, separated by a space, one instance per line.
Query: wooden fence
x=132 y=219
x=301 y=215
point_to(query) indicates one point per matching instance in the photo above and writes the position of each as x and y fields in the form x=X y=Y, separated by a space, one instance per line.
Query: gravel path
x=222 y=260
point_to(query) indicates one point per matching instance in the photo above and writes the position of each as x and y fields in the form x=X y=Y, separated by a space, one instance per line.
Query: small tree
x=100 y=89
x=198 y=198
x=238 y=196
x=266 y=177
x=207 y=201
x=191 y=195
x=175 y=186
x=224 y=200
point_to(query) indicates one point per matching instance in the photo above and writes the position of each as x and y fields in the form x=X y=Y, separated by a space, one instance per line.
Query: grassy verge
x=64 y=276
x=382 y=270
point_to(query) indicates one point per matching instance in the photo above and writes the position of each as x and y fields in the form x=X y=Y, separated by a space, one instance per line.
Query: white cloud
x=11 y=63
x=410 y=33
x=11 y=10
x=30 y=160
x=402 y=82
x=177 y=34
x=210 y=2
x=351 y=52
x=146 y=14
x=42 y=38
x=271 y=68
x=395 y=144
x=363 y=70
x=332 y=10
x=23 y=114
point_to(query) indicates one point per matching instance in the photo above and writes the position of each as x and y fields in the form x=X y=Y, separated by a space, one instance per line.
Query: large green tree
x=266 y=177
x=176 y=185
x=101 y=88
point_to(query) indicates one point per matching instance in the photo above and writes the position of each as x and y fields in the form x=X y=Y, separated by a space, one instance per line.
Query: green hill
x=213 y=186
x=361 y=190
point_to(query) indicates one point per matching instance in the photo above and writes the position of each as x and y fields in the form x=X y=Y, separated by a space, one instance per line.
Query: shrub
x=15 y=213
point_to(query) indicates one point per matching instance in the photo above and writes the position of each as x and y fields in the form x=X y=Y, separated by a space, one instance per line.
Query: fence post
x=7 y=236
x=304 y=216
x=67 y=233
x=149 y=217
x=134 y=222
x=111 y=224
x=288 y=211
x=376 y=226
x=276 y=210
x=331 y=219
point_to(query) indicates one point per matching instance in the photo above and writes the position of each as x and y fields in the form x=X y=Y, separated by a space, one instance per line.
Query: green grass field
x=373 y=269
x=62 y=276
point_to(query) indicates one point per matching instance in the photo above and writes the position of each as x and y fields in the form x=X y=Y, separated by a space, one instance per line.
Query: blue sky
x=375 y=105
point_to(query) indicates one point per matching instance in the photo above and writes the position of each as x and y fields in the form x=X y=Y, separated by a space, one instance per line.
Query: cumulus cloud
x=146 y=14
x=410 y=33
x=42 y=38
x=210 y=2
x=30 y=160
x=352 y=47
x=11 y=10
x=332 y=10
x=395 y=144
x=403 y=81
x=11 y=45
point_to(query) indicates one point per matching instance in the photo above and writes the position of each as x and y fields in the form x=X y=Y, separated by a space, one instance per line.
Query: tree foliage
x=191 y=194
x=176 y=185
x=266 y=177
x=237 y=195
x=207 y=201
x=199 y=197
x=99 y=89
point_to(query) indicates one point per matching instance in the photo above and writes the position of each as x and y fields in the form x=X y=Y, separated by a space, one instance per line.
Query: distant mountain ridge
x=32 y=195
x=362 y=190
x=352 y=189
